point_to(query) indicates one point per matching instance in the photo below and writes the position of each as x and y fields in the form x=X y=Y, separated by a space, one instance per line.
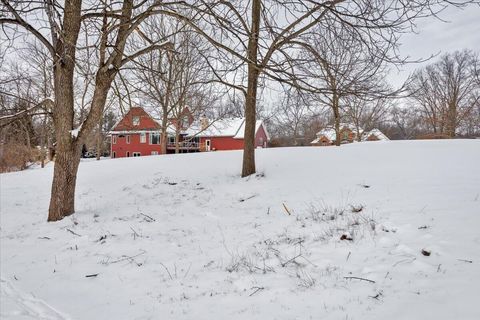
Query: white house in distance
x=348 y=134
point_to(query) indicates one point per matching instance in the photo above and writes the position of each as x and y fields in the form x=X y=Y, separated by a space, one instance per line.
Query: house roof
x=328 y=133
x=230 y=127
x=146 y=121
x=377 y=133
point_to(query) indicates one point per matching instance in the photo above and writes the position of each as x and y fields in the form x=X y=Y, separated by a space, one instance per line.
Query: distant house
x=138 y=134
x=374 y=135
x=348 y=134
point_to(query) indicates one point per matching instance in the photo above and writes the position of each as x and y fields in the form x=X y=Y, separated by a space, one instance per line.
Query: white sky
x=462 y=30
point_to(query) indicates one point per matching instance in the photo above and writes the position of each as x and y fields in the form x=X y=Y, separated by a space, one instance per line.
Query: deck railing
x=187 y=145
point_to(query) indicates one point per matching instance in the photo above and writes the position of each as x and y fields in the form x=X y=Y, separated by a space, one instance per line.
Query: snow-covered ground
x=184 y=237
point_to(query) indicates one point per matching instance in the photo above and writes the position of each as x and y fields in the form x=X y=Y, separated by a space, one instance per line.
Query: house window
x=154 y=153
x=137 y=154
x=154 y=138
x=136 y=121
x=143 y=137
x=114 y=139
x=128 y=138
x=114 y=155
x=261 y=141
x=185 y=122
x=345 y=135
x=128 y=154
x=171 y=139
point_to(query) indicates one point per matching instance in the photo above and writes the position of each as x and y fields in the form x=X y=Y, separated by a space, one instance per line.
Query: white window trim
x=136 y=154
x=154 y=153
x=143 y=137
x=127 y=138
x=159 y=139
x=133 y=121
x=114 y=139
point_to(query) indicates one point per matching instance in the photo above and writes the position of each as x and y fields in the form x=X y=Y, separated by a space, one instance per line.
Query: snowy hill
x=319 y=233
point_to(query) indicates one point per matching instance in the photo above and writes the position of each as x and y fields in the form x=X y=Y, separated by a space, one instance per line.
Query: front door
x=207 y=145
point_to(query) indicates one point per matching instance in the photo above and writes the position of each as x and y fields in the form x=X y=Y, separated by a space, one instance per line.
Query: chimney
x=203 y=122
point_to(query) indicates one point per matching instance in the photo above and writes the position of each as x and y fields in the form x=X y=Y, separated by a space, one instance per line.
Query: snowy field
x=319 y=233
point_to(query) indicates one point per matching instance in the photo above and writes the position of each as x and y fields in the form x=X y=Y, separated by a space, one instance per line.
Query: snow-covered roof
x=222 y=128
x=377 y=133
x=328 y=133
x=230 y=127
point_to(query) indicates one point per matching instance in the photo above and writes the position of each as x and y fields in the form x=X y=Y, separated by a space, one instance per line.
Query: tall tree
x=111 y=23
x=447 y=92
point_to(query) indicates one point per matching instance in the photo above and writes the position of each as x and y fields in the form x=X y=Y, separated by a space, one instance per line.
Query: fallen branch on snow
x=257 y=289
x=150 y=219
x=91 y=275
x=358 y=278
x=286 y=209
x=467 y=261
x=73 y=232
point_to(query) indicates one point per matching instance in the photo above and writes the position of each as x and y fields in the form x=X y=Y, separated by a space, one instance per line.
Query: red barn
x=138 y=134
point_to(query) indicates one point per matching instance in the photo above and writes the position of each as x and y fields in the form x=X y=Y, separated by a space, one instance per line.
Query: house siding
x=230 y=143
x=122 y=147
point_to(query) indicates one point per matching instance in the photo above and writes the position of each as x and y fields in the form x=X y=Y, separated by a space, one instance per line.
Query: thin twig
x=128 y=257
x=257 y=289
x=91 y=275
x=248 y=198
x=467 y=261
x=286 y=209
x=73 y=232
x=290 y=260
x=358 y=278
x=147 y=216
x=134 y=233
x=169 y=274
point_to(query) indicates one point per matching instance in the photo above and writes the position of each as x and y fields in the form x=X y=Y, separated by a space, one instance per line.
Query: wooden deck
x=187 y=146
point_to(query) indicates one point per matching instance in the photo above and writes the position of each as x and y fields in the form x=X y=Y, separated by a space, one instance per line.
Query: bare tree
x=112 y=24
x=365 y=113
x=173 y=81
x=447 y=92
x=292 y=115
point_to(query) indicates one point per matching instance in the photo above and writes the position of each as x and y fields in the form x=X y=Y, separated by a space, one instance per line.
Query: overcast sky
x=462 y=30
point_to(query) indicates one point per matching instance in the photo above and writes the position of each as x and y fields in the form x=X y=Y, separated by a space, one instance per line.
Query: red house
x=138 y=134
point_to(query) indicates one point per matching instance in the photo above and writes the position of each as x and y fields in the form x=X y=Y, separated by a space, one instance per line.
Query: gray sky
x=462 y=30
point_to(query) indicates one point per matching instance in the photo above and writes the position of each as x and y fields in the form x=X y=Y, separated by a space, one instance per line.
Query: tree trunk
x=99 y=138
x=43 y=142
x=177 y=141
x=164 y=135
x=62 y=201
x=67 y=153
x=336 y=115
x=451 y=123
x=248 y=167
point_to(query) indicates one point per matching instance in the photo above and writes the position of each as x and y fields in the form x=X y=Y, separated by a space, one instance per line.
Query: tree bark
x=99 y=138
x=336 y=115
x=177 y=141
x=451 y=123
x=67 y=149
x=62 y=201
x=248 y=167
x=164 y=135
